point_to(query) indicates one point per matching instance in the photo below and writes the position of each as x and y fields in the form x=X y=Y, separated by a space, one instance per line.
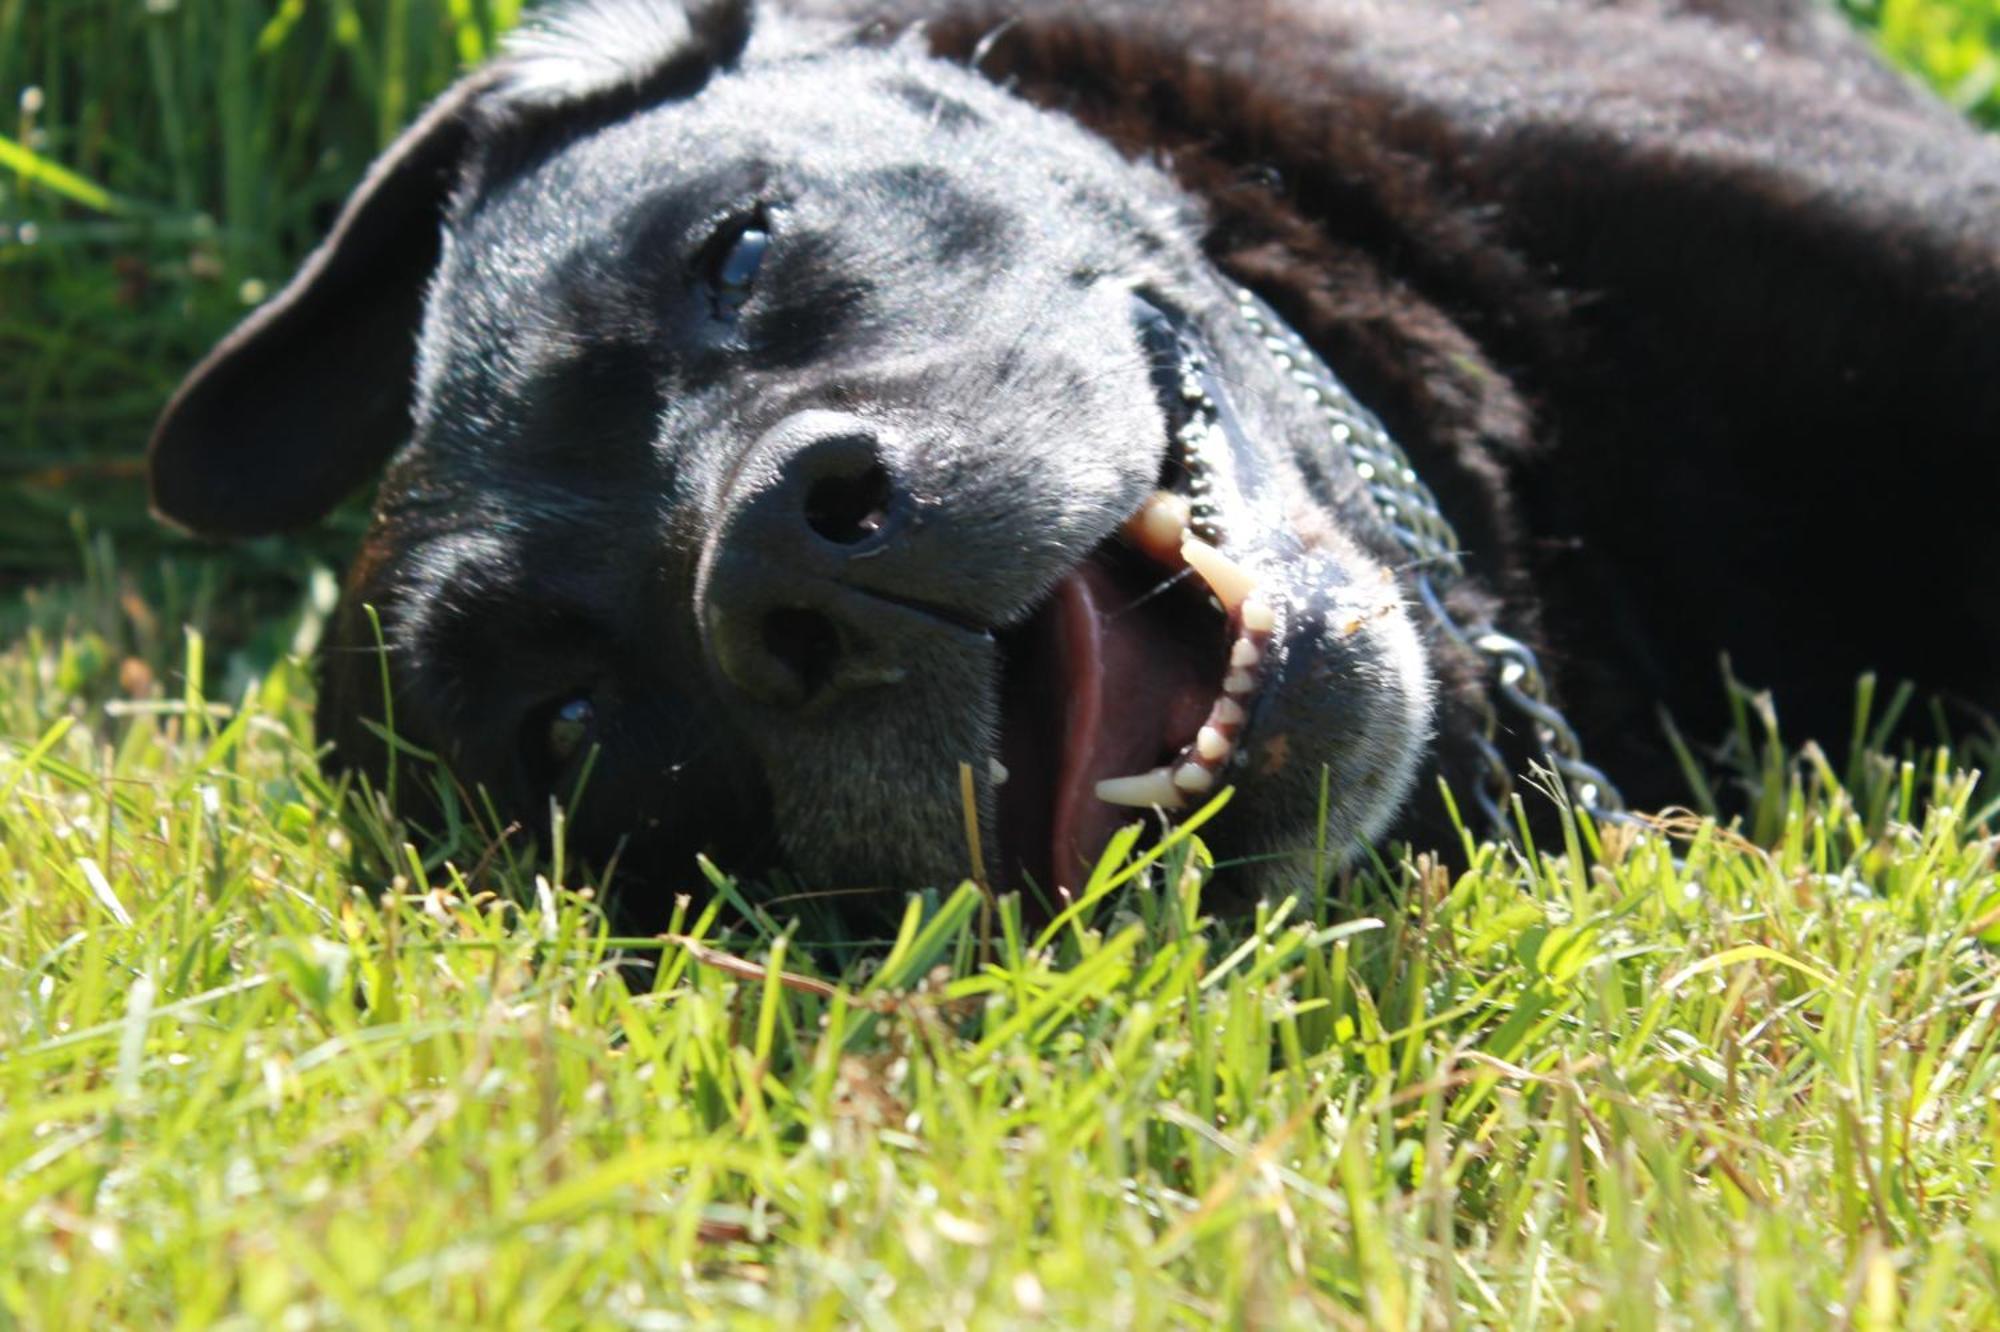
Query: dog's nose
x=794 y=607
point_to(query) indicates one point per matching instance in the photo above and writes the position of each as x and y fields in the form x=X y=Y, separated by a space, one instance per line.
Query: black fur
x=1690 y=313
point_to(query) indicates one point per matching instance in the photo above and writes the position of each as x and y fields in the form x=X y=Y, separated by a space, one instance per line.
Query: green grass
x=1954 y=45
x=264 y=1061
x=163 y=165
x=267 y=1060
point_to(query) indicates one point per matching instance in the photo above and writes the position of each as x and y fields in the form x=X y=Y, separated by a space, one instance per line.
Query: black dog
x=785 y=408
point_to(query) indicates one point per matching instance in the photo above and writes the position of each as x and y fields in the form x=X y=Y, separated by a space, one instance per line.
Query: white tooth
x=1257 y=615
x=1210 y=744
x=997 y=772
x=1159 y=525
x=1226 y=712
x=1146 y=790
x=1238 y=683
x=1244 y=655
x=1193 y=778
x=1230 y=581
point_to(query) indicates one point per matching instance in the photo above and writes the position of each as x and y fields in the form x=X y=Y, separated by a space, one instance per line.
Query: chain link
x=1412 y=515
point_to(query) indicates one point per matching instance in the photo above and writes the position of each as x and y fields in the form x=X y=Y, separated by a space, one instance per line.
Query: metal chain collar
x=1420 y=528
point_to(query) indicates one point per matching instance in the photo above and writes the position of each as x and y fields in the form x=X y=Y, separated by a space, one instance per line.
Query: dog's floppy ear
x=311 y=393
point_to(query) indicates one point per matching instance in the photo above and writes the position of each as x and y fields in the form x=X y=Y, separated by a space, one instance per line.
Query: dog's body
x=794 y=392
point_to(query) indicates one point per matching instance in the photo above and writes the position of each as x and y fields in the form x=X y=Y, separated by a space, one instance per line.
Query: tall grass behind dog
x=162 y=168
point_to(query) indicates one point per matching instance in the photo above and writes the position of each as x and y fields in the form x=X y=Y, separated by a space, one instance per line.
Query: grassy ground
x=264 y=1061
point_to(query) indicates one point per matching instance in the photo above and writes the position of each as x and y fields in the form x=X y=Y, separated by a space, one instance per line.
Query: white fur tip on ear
x=576 y=51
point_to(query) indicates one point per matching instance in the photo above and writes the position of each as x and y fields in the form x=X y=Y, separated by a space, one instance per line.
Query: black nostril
x=796 y=607
x=850 y=509
x=806 y=644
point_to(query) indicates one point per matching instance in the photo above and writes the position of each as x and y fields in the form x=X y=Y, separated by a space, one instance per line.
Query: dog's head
x=793 y=421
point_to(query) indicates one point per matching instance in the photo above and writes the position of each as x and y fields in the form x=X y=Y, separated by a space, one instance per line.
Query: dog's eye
x=745 y=257
x=566 y=729
x=735 y=255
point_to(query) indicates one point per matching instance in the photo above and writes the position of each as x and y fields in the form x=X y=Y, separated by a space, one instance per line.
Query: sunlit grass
x=1954 y=45
x=263 y=1060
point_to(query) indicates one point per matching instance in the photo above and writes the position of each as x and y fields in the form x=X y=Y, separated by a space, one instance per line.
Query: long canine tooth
x=1210 y=743
x=1230 y=581
x=1257 y=616
x=1193 y=778
x=1160 y=525
x=1146 y=790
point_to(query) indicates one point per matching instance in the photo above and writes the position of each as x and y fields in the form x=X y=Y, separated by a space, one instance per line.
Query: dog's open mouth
x=1130 y=687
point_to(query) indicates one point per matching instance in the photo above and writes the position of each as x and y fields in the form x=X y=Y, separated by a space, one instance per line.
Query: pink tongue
x=1134 y=694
